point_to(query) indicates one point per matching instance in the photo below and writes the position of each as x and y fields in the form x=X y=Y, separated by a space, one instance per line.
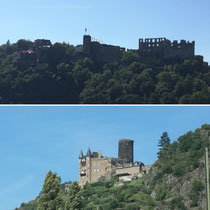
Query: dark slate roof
x=81 y=154
x=88 y=153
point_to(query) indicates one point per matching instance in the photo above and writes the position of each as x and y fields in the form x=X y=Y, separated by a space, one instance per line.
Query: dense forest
x=175 y=181
x=66 y=78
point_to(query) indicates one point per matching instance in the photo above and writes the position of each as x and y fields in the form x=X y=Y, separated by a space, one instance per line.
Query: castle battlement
x=162 y=47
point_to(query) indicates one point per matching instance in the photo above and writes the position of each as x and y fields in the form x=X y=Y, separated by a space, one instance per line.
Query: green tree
x=50 y=198
x=73 y=200
x=23 y=44
x=129 y=57
x=164 y=139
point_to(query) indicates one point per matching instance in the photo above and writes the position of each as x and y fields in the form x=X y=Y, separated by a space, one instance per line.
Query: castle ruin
x=94 y=167
x=99 y=51
x=37 y=55
x=162 y=47
x=150 y=49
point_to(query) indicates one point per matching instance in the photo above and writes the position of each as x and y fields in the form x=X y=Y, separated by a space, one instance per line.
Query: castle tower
x=141 y=43
x=86 y=44
x=125 y=151
x=88 y=166
x=82 y=168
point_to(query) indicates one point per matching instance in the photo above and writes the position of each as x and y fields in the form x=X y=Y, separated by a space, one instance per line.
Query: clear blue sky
x=118 y=22
x=37 y=139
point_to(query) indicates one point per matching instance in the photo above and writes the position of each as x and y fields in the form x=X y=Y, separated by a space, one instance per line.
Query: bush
x=178 y=170
x=161 y=192
x=177 y=203
x=132 y=207
x=196 y=188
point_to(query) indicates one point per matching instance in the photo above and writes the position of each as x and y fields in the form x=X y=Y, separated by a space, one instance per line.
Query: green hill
x=175 y=181
x=63 y=76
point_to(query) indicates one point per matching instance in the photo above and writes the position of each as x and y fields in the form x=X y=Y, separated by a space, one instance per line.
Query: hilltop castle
x=151 y=51
x=94 y=167
x=37 y=55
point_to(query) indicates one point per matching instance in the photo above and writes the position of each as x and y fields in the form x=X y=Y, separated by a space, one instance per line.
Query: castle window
x=97 y=170
x=94 y=164
x=94 y=170
x=98 y=164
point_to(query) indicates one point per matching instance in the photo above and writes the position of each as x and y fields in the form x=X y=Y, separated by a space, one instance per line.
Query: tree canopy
x=65 y=77
x=50 y=198
x=164 y=139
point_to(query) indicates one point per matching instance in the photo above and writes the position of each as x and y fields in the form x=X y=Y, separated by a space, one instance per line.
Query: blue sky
x=36 y=139
x=118 y=22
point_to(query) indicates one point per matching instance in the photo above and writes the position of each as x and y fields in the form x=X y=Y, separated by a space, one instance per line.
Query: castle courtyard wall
x=133 y=170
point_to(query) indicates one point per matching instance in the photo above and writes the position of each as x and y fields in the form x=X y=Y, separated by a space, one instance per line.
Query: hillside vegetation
x=175 y=181
x=68 y=78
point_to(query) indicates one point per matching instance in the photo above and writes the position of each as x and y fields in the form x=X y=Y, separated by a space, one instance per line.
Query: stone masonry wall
x=94 y=169
x=101 y=167
x=133 y=170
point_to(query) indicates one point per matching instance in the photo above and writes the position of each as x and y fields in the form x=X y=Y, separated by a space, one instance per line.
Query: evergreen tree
x=73 y=200
x=164 y=139
x=50 y=198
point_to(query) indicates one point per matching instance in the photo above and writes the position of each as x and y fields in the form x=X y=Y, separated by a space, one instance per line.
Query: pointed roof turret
x=81 y=155
x=89 y=152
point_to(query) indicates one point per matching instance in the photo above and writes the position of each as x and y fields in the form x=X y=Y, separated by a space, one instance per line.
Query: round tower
x=125 y=151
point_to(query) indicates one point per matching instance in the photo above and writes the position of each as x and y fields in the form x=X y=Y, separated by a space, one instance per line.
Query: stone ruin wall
x=163 y=47
x=101 y=52
x=106 y=52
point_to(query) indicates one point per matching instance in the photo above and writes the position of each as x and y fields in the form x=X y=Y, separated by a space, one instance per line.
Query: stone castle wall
x=101 y=52
x=101 y=168
x=95 y=169
x=162 y=47
x=133 y=170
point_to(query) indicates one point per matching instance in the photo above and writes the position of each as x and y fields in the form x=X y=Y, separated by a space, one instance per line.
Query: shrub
x=196 y=188
x=177 y=203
